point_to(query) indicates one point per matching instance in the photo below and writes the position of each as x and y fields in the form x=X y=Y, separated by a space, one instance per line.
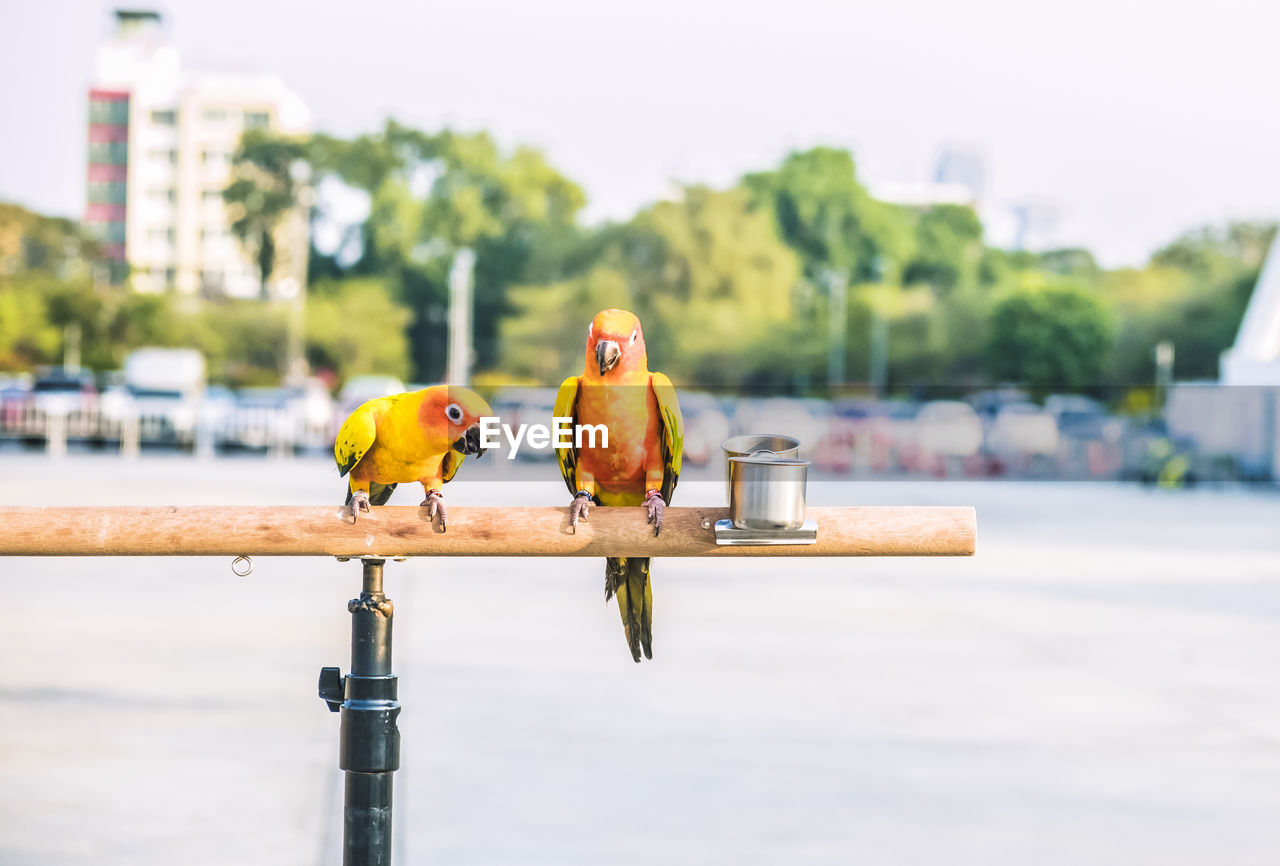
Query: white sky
x=1139 y=119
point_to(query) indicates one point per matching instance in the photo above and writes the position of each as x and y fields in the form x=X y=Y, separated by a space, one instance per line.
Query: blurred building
x=959 y=177
x=964 y=167
x=925 y=194
x=1237 y=418
x=1254 y=359
x=1036 y=223
x=161 y=140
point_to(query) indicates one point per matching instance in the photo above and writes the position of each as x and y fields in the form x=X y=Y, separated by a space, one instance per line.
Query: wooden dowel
x=473 y=531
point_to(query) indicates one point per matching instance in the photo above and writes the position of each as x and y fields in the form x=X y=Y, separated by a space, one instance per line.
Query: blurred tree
x=827 y=216
x=961 y=325
x=1049 y=337
x=715 y=278
x=243 y=341
x=997 y=267
x=1193 y=293
x=707 y=275
x=541 y=341
x=27 y=337
x=53 y=246
x=263 y=191
x=45 y=266
x=1219 y=252
x=354 y=327
x=1068 y=262
x=434 y=194
x=948 y=249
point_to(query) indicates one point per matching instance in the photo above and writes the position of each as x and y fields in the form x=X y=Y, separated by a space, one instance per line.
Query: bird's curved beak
x=607 y=355
x=469 y=442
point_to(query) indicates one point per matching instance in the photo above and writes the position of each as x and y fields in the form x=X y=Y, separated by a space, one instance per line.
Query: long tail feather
x=615 y=570
x=646 y=610
x=628 y=578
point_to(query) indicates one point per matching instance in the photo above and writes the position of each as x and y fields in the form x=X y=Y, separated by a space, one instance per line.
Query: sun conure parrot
x=421 y=436
x=640 y=465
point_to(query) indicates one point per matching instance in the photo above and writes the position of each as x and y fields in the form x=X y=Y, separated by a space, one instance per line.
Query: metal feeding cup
x=742 y=446
x=766 y=491
x=766 y=494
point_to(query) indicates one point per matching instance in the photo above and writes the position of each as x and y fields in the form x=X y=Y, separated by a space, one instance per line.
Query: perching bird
x=640 y=465
x=421 y=436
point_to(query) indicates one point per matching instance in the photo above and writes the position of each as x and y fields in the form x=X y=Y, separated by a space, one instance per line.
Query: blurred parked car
x=361 y=389
x=517 y=406
x=262 y=420
x=847 y=438
x=989 y=403
x=166 y=386
x=216 y=412
x=1057 y=404
x=1023 y=436
x=115 y=409
x=57 y=391
x=313 y=411
x=13 y=398
x=899 y=421
x=947 y=431
x=867 y=435
x=1083 y=418
x=782 y=415
x=706 y=425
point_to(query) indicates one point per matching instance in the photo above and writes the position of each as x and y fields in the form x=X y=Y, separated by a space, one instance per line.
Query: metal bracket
x=727 y=533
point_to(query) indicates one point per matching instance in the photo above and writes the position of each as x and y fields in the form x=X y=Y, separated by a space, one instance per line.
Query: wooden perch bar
x=473 y=531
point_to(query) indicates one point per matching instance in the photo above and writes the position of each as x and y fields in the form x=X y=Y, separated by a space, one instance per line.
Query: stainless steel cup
x=742 y=446
x=767 y=492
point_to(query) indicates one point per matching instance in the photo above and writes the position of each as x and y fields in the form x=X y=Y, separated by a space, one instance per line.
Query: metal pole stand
x=370 y=741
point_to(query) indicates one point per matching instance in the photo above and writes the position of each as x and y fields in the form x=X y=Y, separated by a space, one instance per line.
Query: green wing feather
x=672 y=432
x=566 y=406
x=379 y=494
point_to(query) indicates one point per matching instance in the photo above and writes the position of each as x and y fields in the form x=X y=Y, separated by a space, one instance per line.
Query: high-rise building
x=161 y=140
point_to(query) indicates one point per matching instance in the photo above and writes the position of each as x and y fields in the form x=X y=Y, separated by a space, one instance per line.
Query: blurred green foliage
x=734 y=285
x=1049 y=336
x=354 y=327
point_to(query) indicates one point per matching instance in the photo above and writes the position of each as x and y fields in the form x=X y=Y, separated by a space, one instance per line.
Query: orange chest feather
x=630 y=413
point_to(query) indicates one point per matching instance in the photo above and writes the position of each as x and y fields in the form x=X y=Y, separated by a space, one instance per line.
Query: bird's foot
x=578 y=509
x=435 y=505
x=359 y=502
x=654 y=505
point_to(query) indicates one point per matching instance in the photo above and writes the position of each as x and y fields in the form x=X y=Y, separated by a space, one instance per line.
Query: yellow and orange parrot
x=421 y=436
x=641 y=463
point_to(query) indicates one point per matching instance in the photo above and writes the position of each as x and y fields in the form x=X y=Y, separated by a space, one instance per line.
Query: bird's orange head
x=615 y=345
x=450 y=418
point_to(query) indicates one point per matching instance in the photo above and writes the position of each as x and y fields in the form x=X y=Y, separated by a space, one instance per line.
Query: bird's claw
x=359 y=502
x=578 y=509
x=435 y=505
x=654 y=505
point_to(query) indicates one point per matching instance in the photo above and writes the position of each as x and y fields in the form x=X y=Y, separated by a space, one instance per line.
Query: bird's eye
x=453 y=412
x=634 y=334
